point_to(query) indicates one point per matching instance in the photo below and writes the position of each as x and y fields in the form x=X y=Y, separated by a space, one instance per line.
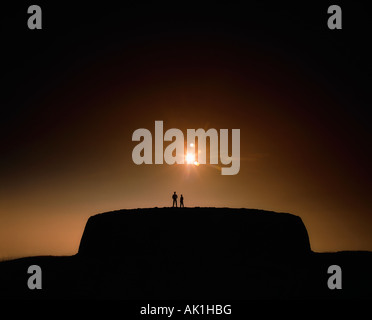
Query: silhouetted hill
x=191 y=253
x=197 y=231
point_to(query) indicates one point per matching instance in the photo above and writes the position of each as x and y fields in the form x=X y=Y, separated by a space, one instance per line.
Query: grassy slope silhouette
x=191 y=253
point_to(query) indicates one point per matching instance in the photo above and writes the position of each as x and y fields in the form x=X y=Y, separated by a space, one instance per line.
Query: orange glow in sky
x=71 y=105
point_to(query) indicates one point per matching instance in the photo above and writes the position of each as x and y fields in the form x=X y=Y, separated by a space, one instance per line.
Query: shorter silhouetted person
x=174 y=197
x=181 y=202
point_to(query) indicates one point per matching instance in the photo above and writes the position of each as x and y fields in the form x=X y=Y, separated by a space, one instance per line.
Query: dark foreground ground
x=191 y=253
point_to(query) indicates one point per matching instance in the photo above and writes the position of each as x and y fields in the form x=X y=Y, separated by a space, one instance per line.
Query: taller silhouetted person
x=181 y=202
x=174 y=197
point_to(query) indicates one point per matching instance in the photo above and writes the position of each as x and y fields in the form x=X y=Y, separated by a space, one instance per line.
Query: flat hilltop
x=191 y=253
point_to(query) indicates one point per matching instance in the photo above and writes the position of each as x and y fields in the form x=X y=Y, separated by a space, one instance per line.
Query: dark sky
x=74 y=92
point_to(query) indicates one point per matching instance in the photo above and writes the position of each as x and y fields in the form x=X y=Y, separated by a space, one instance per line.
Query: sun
x=190 y=158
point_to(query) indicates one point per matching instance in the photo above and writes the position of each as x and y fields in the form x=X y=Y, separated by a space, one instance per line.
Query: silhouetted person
x=181 y=202
x=174 y=197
